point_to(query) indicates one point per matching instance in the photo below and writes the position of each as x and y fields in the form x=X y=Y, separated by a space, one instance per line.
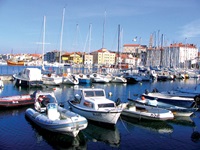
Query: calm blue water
x=16 y=132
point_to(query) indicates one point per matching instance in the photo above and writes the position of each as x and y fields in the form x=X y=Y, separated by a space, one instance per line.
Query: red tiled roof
x=131 y=45
x=182 y=45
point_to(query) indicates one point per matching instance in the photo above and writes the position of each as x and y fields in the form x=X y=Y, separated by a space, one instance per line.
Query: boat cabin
x=93 y=99
x=31 y=74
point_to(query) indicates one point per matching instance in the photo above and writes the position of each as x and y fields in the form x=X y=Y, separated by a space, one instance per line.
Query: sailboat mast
x=43 y=40
x=61 y=35
x=90 y=32
x=118 y=46
x=104 y=21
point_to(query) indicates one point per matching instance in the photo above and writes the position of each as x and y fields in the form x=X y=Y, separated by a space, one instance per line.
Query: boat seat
x=39 y=108
x=52 y=111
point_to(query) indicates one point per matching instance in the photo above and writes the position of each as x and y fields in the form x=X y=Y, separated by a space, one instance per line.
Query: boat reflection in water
x=58 y=140
x=161 y=127
x=96 y=133
x=183 y=120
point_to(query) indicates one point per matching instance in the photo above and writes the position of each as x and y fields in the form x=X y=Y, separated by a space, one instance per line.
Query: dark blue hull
x=181 y=103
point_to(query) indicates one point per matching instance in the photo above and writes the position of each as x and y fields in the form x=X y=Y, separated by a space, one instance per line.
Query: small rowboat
x=17 y=100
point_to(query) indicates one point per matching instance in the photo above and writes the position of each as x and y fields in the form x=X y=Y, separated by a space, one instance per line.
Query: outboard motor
x=146 y=92
x=61 y=105
x=155 y=90
x=118 y=101
x=197 y=99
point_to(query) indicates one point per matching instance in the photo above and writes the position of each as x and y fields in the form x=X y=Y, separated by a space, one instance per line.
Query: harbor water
x=17 y=132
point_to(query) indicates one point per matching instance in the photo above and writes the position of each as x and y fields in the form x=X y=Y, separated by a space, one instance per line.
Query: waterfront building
x=181 y=55
x=177 y=55
x=134 y=49
x=103 y=57
x=87 y=59
x=52 y=56
x=138 y=54
x=75 y=58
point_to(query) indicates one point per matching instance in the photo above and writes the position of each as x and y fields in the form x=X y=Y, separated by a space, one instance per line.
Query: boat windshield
x=93 y=93
x=52 y=106
x=106 y=105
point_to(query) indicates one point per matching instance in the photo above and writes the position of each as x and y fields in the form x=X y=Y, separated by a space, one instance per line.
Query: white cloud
x=191 y=29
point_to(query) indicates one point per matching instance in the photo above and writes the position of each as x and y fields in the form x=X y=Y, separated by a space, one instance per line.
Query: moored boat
x=170 y=99
x=15 y=62
x=52 y=79
x=83 y=79
x=70 y=79
x=140 y=111
x=28 y=77
x=118 y=79
x=93 y=104
x=17 y=100
x=176 y=110
x=98 y=78
x=48 y=115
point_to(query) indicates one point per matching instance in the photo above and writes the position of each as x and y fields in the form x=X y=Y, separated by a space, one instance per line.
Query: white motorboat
x=170 y=99
x=93 y=104
x=48 y=115
x=98 y=78
x=52 y=79
x=140 y=111
x=117 y=79
x=176 y=110
x=28 y=77
x=68 y=78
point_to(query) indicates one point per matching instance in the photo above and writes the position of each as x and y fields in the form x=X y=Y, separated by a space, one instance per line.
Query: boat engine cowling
x=197 y=99
x=118 y=101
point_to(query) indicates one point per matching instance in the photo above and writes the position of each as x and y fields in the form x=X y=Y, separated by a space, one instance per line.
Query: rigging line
x=124 y=124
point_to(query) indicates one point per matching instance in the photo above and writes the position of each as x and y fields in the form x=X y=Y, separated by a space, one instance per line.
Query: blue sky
x=21 y=23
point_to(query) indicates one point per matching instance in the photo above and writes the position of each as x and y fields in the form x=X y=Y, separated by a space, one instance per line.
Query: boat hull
x=173 y=100
x=84 y=81
x=26 y=83
x=147 y=113
x=52 y=80
x=16 y=101
x=107 y=117
x=13 y=63
x=70 y=81
x=71 y=125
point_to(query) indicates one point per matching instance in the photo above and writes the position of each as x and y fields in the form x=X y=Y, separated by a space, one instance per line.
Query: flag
x=135 y=39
